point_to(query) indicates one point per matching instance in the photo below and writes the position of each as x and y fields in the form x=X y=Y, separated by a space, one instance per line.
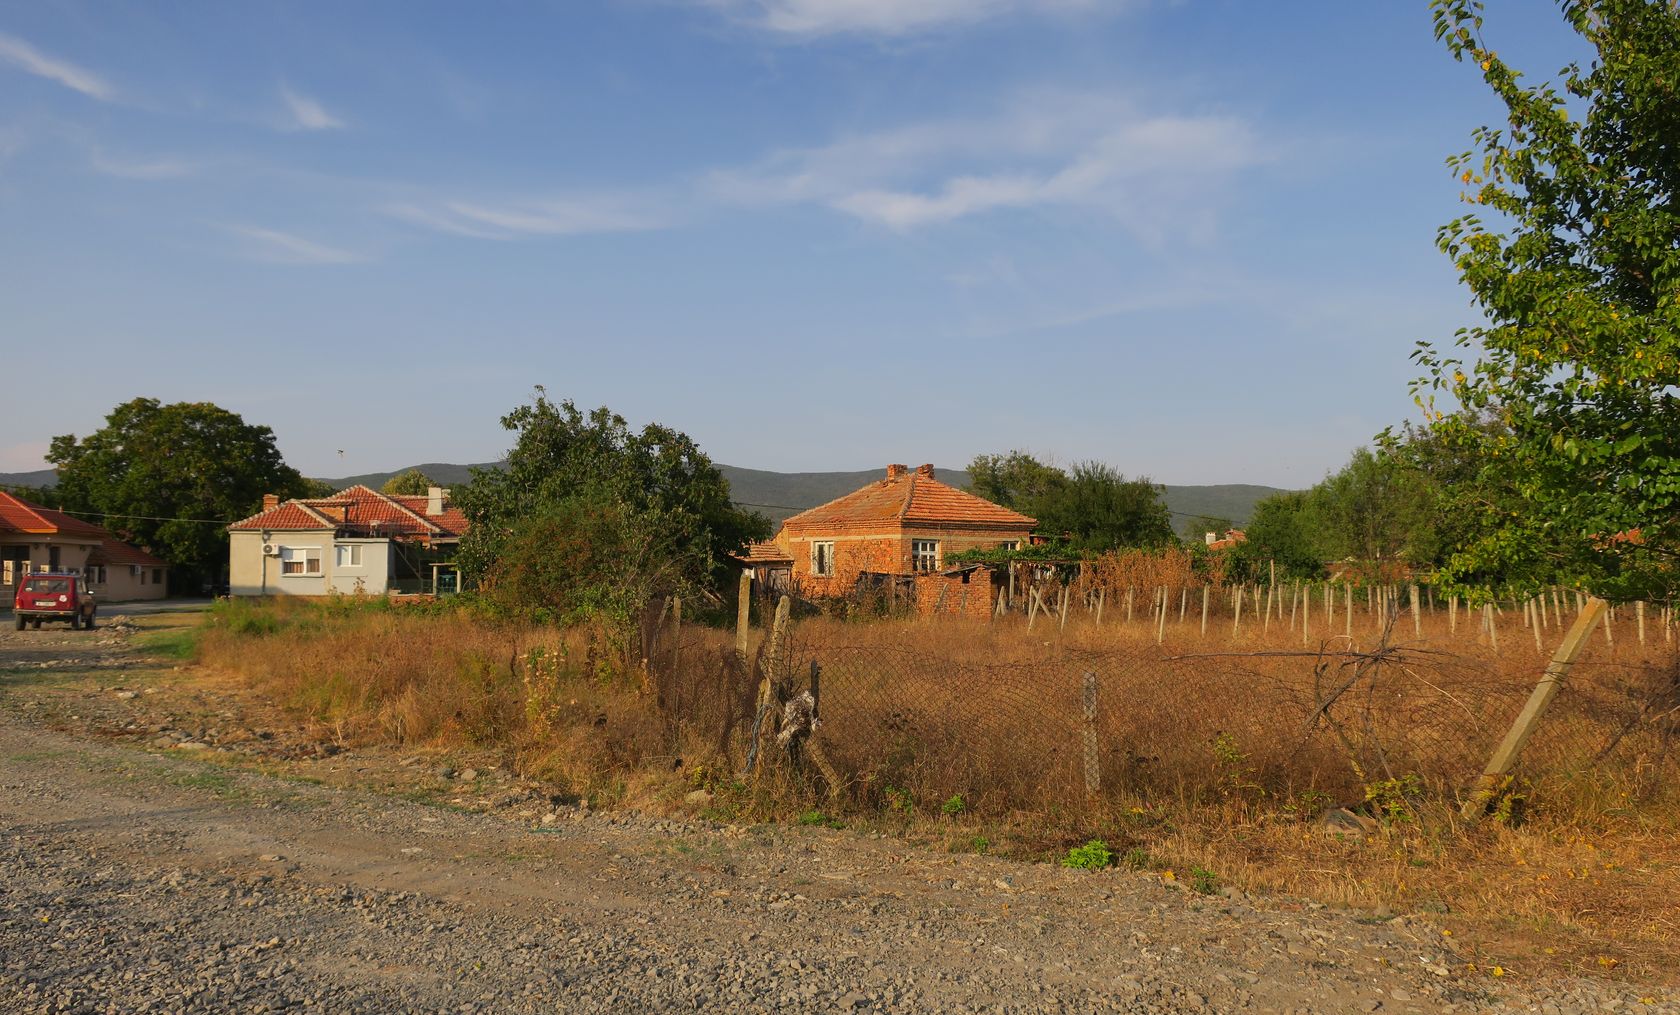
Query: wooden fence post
x=1093 y=756
x=1417 y=618
x=1539 y=700
x=1184 y=599
x=1236 y=619
x=743 y=611
x=1161 y=624
x=1102 y=595
x=1204 y=609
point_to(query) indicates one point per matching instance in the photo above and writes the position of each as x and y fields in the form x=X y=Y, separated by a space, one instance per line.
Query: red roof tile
x=115 y=552
x=764 y=552
x=914 y=498
x=19 y=515
x=364 y=511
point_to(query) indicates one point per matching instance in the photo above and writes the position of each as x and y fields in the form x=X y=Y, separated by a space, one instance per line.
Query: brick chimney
x=271 y=501
x=897 y=471
x=925 y=471
x=436 y=496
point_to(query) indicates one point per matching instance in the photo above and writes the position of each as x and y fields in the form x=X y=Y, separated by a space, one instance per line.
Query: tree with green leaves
x=170 y=477
x=1572 y=254
x=1370 y=510
x=1098 y=508
x=1284 y=532
x=412 y=483
x=657 y=476
x=1015 y=480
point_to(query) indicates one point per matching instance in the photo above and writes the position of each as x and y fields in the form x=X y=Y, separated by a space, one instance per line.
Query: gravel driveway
x=141 y=877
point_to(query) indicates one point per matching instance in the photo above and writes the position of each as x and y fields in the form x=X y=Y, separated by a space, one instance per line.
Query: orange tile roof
x=764 y=552
x=19 y=515
x=914 y=498
x=114 y=551
x=365 y=511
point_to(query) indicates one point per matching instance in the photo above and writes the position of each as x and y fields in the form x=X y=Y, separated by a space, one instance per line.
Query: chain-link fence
x=1069 y=727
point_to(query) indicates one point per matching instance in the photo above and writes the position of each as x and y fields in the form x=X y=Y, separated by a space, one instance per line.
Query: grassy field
x=1210 y=763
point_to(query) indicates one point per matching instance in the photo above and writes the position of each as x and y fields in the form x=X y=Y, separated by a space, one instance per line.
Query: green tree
x=1100 y=509
x=412 y=483
x=170 y=478
x=1015 y=480
x=1576 y=269
x=1284 y=531
x=1371 y=509
x=657 y=475
x=591 y=558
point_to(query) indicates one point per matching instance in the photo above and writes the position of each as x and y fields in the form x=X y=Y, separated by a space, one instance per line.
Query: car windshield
x=48 y=585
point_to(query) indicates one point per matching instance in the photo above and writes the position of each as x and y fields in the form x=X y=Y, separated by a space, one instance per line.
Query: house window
x=300 y=560
x=924 y=554
x=157 y=572
x=142 y=573
x=1010 y=544
x=96 y=574
x=349 y=555
x=53 y=558
x=822 y=559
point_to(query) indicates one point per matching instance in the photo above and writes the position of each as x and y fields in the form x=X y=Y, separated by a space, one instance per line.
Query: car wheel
x=21 y=622
x=75 y=621
x=87 y=624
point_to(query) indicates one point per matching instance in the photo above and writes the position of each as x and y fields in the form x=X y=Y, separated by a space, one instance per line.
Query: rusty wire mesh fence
x=1071 y=728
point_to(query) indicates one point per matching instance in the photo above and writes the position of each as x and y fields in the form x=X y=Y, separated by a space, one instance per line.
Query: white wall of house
x=119 y=583
x=309 y=563
x=360 y=565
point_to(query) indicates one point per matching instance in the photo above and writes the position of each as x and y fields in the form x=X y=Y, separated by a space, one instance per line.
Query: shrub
x=1094 y=855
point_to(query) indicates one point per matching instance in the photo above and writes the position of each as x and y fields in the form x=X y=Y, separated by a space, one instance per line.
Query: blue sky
x=1193 y=239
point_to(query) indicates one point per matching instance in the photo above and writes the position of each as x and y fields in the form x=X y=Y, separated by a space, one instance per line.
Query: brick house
x=897 y=531
x=357 y=540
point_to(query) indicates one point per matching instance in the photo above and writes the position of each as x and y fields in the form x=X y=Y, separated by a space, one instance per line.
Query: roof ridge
x=845 y=496
x=391 y=500
x=909 y=495
x=27 y=507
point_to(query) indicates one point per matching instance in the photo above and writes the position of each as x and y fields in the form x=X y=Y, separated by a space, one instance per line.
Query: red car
x=50 y=596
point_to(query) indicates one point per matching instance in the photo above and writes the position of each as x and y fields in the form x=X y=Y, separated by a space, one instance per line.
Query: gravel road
x=143 y=877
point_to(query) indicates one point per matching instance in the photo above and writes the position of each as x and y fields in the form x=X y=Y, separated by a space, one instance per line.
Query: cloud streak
x=284 y=248
x=800 y=19
x=571 y=215
x=307 y=114
x=30 y=60
x=1096 y=152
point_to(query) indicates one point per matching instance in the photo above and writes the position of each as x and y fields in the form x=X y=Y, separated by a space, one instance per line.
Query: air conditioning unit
x=270 y=550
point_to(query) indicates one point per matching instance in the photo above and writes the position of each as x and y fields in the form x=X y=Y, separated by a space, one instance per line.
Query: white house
x=357 y=540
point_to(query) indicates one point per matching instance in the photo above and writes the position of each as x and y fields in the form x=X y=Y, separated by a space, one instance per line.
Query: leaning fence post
x=1539 y=700
x=1093 y=758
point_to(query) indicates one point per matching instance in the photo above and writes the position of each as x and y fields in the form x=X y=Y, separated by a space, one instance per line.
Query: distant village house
x=35 y=538
x=356 y=541
x=897 y=533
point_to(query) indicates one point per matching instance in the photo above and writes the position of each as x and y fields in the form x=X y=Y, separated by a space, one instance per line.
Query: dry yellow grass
x=1207 y=759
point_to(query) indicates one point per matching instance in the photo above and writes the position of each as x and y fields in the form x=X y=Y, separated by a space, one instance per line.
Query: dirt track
x=149 y=877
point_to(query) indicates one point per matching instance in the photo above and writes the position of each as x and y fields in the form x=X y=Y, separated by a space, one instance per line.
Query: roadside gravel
x=142 y=877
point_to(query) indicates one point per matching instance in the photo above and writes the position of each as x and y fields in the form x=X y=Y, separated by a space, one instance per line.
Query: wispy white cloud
x=285 y=248
x=27 y=58
x=1151 y=170
x=143 y=168
x=562 y=216
x=307 y=114
x=810 y=18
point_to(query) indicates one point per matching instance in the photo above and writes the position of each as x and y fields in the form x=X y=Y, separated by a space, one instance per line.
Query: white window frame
x=1010 y=545
x=304 y=555
x=822 y=558
x=96 y=574
x=924 y=550
x=347 y=556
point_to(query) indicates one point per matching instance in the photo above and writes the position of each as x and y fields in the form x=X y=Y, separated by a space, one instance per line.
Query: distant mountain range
x=780 y=494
